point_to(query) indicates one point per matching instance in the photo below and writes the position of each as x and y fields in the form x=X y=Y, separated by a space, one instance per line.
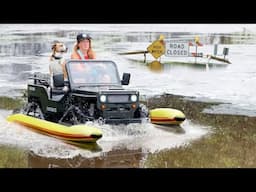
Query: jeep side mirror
x=126 y=79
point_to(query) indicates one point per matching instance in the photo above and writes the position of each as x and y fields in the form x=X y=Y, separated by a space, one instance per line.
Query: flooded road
x=26 y=49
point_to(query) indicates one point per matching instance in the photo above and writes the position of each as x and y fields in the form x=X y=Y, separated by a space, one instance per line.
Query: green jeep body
x=95 y=92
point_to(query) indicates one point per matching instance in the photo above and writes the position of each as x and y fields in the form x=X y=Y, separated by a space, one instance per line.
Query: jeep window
x=88 y=72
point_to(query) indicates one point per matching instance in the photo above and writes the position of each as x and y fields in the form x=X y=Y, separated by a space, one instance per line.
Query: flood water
x=25 y=49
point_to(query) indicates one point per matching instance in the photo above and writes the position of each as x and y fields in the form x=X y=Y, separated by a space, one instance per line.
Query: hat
x=82 y=36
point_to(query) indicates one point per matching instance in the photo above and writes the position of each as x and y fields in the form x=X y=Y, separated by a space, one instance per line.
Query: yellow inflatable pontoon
x=75 y=133
x=166 y=116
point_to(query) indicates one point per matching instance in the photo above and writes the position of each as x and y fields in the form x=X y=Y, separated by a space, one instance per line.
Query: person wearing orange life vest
x=83 y=48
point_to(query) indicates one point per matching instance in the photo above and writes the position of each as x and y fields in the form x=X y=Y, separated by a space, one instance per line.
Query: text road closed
x=176 y=49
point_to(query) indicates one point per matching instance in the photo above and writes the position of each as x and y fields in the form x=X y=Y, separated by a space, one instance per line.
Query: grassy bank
x=12 y=157
x=11 y=103
x=232 y=143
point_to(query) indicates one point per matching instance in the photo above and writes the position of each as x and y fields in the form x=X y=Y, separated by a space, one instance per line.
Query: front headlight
x=103 y=98
x=134 y=98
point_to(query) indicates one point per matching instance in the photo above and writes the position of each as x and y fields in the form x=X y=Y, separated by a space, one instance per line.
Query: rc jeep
x=95 y=93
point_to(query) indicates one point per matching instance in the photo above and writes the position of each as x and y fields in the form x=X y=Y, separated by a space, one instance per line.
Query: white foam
x=143 y=136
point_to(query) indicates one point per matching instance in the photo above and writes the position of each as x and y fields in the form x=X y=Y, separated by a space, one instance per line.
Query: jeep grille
x=118 y=98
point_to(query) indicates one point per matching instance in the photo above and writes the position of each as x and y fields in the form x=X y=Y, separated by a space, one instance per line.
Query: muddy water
x=26 y=49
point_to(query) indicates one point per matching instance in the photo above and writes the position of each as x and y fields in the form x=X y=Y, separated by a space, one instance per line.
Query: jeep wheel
x=33 y=109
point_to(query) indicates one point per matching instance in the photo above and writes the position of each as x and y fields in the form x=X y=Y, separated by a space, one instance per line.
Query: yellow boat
x=166 y=116
x=75 y=133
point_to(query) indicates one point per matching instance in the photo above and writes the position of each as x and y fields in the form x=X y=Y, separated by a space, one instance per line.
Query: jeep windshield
x=92 y=72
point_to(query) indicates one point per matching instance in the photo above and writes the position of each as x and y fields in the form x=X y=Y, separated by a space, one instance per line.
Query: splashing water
x=145 y=136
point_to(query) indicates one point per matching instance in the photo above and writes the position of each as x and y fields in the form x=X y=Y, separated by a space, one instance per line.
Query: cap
x=82 y=36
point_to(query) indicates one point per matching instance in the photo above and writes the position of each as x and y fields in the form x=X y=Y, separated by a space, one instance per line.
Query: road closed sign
x=174 y=48
x=157 y=48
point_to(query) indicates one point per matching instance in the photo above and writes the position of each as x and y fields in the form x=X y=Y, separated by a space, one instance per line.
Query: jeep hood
x=96 y=89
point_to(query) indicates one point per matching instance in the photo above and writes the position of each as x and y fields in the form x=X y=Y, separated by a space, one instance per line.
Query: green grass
x=12 y=157
x=230 y=145
x=222 y=149
x=10 y=103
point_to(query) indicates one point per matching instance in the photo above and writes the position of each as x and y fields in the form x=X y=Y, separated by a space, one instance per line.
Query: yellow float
x=76 y=133
x=166 y=116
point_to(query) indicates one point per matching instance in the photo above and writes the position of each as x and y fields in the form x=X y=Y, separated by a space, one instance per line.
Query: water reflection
x=155 y=66
x=203 y=66
x=161 y=67
x=93 y=147
x=117 y=158
x=177 y=129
